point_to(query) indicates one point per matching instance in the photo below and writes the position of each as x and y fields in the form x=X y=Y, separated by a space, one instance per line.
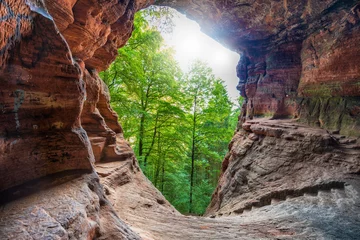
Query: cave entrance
x=174 y=89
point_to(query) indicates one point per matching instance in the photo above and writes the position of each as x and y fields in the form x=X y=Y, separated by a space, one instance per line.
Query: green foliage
x=160 y=17
x=178 y=124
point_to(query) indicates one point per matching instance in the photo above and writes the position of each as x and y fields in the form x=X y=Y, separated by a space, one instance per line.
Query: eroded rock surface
x=298 y=58
x=41 y=97
x=70 y=205
x=328 y=209
x=276 y=159
x=280 y=180
x=56 y=120
x=51 y=96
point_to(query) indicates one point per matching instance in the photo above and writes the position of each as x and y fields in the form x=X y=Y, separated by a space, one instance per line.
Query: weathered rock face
x=269 y=198
x=56 y=120
x=48 y=97
x=277 y=159
x=294 y=55
x=68 y=205
x=42 y=93
x=298 y=59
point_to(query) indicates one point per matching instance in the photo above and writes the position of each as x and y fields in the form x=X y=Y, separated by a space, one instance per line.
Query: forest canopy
x=178 y=123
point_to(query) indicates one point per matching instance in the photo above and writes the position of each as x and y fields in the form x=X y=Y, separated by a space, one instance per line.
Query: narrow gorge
x=293 y=166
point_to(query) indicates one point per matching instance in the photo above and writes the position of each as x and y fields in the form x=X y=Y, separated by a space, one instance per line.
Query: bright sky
x=190 y=44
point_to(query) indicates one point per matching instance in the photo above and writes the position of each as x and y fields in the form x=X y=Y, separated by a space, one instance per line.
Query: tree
x=178 y=124
x=142 y=80
x=209 y=117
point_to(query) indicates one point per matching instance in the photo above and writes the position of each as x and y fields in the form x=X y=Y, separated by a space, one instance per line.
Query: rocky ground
x=279 y=158
x=281 y=179
x=125 y=205
x=326 y=215
x=328 y=208
x=63 y=206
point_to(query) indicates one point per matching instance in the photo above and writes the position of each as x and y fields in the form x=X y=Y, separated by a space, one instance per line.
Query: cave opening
x=67 y=172
x=174 y=89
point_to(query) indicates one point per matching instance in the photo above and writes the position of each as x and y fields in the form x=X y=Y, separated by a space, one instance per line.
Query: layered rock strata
x=42 y=92
x=298 y=59
x=282 y=180
x=56 y=120
x=272 y=160
x=52 y=99
x=69 y=205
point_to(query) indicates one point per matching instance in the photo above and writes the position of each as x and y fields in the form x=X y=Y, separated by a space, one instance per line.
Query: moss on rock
x=332 y=113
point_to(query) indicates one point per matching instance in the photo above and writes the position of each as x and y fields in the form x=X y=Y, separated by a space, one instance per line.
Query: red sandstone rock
x=330 y=58
x=69 y=206
x=42 y=89
x=286 y=159
x=285 y=45
x=41 y=98
x=299 y=59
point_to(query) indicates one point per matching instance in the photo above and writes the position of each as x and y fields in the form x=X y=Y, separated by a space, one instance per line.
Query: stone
x=293 y=53
x=45 y=82
x=54 y=111
x=50 y=99
x=66 y=171
x=65 y=206
x=275 y=166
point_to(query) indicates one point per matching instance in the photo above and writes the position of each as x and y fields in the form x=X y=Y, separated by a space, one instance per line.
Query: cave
x=292 y=170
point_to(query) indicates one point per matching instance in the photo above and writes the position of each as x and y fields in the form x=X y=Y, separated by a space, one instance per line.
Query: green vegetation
x=179 y=124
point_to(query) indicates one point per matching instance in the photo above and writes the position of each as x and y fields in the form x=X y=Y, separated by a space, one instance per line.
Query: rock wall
x=55 y=118
x=273 y=160
x=52 y=99
x=294 y=55
x=42 y=93
x=299 y=59
x=329 y=87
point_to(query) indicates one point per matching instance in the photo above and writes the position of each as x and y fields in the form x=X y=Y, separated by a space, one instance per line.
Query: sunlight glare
x=191 y=44
x=221 y=57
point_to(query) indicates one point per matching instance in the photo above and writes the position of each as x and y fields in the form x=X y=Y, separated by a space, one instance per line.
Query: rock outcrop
x=69 y=205
x=56 y=121
x=306 y=191
x=42 y=93
x=272 y=160
x=52 y=99
x=298 y=58
x=280 y=179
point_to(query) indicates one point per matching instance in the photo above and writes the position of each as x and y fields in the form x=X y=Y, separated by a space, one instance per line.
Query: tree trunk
x=152 y=143
x=163 y=176
x=158 y=162
x=141 y=137
x=144 y=105
x=192 y=158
